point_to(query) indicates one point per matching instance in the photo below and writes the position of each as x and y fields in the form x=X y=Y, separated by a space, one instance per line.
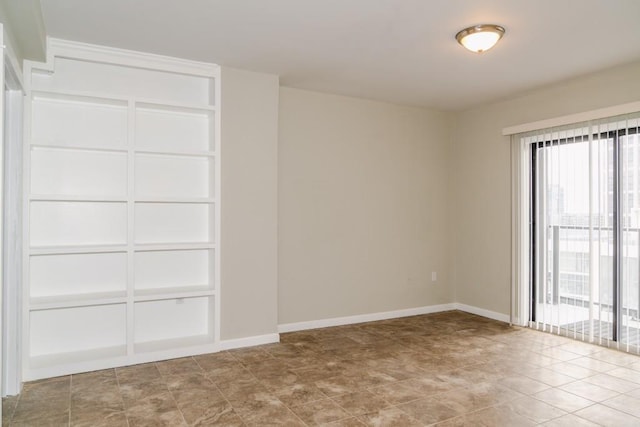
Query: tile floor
x=445 y=369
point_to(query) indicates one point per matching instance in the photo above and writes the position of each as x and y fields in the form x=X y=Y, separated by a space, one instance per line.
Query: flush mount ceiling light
x=480 y=38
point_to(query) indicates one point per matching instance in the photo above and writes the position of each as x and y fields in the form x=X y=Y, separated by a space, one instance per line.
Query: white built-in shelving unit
x=122 y=196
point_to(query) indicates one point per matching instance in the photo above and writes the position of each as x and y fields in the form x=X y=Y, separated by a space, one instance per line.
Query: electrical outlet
x=434 y=276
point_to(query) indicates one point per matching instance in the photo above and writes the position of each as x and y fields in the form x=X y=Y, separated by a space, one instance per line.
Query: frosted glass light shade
x=480 y=38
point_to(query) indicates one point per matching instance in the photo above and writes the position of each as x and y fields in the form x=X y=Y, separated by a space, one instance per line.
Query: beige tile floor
x=446 y=369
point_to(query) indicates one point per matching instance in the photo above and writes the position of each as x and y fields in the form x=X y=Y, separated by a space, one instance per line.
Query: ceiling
x=401 y=51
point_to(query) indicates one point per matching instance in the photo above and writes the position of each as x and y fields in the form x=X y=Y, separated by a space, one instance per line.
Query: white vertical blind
x=582 y=203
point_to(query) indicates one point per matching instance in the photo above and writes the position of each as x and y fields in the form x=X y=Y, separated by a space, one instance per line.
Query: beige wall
x=249 y=204
x=336 y=206
x=479 y=175
x=362 y=215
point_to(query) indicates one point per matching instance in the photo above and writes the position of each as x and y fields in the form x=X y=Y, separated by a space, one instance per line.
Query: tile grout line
x=124 y=406
x=357 y=416
x=284 y=404
x=588 y=406
x=261 y=383
x=15 y=407
x=219 y=391
x=70 y=388
x=164 y=380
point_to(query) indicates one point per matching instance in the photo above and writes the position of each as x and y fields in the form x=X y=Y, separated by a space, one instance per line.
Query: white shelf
x=76 y=198
x=175 y=200
x=158 y=294
x=79 y=96
x=176 y=153
x=48 y=360
x=142 y=247
x=107 y=99
x=161 y=345
x=82 y=300
x=176 y=107
x=58 y=146
x=122 y=198
x=75 y=120
x=117 y=199
x=85 y=249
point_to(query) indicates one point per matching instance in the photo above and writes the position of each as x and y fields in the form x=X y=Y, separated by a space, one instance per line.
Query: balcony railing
x=554 y=296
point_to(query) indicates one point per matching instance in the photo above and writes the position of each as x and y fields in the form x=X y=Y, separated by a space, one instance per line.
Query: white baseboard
x=249 y=341
x=372 y=317
x=482 y=312
x=362 y=318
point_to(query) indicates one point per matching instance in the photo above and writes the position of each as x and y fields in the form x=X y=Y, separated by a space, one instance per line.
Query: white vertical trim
x=12 y=358
x=11 y=304
x=26 y=215
x=11 y=170
x=131 y=206
x=2 y=202
x=515 y=206
x=217 y=176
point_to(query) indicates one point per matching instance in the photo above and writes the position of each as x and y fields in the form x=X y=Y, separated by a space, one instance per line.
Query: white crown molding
x=89 y=52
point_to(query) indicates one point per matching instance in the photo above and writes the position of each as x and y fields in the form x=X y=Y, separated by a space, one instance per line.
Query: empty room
x=305 y=212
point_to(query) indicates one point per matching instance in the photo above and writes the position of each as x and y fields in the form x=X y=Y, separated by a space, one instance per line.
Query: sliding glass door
x=585 y=231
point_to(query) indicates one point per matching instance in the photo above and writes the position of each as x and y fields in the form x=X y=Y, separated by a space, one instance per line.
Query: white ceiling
x=401 y=51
